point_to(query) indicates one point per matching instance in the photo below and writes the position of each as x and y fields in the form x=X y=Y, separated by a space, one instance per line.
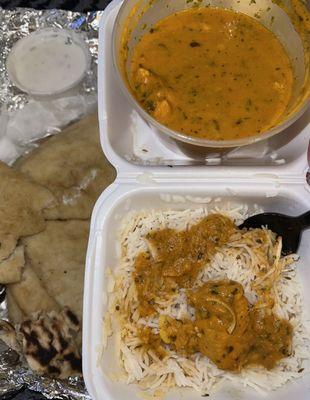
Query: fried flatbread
x=49 y=344
x=30 y=295
x=16 y=316
x=21 y=205
x=11 y=267
x=8 y=335
x=57 y=255
x=73 y=167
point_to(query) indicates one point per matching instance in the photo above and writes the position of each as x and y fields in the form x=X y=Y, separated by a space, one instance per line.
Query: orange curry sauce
x=212 y=73
x=227 y=328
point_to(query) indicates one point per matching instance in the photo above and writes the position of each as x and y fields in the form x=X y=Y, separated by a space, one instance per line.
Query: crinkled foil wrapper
x=15 y=24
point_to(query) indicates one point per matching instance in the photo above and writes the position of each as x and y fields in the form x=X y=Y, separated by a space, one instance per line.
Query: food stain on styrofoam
x=165 y=197
x=231 y=192
x=281 y=161
x=267 y=176
x=272 y=193
x=127 y=205
x=178 y=199
x=146 y=178
x=199 y=200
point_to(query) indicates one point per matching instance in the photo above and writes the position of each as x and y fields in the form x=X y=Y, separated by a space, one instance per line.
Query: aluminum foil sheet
x=15 y=24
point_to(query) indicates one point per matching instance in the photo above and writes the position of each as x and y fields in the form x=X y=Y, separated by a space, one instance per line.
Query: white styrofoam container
x=102 y=253
x=274 y=187
x=129 y=141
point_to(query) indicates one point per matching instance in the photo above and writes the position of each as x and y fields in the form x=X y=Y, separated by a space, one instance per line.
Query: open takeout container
x=129 y=137
x=277 y=187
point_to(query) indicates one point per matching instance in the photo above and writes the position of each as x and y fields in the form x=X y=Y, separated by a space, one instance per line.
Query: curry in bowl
x=212 y=76
x=212 y=73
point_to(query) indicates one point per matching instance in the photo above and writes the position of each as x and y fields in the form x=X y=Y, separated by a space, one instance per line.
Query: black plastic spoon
x=290 y=228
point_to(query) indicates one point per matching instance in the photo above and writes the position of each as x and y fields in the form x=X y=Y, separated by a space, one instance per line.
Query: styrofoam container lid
x=48 y=62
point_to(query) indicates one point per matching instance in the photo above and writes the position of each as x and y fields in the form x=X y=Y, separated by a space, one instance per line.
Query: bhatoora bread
x=22 y=203
x=72 y=166
x=57 y=256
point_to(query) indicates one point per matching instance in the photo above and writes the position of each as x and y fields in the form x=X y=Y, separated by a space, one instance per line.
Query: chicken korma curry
x=212 y=73
x=226 y=328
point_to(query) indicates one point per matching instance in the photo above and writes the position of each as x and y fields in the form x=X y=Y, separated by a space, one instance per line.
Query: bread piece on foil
x=11 y=267
x=30 y=295
x=16 y=316
x=57 y=256
x=21 y=204
x=73 y=167
x=48 y=343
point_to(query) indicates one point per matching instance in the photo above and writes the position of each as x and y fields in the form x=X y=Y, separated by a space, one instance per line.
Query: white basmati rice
x=235 y=261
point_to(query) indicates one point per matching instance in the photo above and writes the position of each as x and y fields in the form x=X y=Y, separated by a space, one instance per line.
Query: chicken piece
x=162 y=110
x=210 y=333
x=144 y=76
x=154 y=94
x=181 y=335
x=273 y=338
x=222 y=318
x=279 y=86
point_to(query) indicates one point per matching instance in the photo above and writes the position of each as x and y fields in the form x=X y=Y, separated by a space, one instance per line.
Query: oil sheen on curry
x=226 y=328
x=212 y=73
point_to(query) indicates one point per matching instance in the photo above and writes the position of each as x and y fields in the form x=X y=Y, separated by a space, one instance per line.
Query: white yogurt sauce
x=47 y=62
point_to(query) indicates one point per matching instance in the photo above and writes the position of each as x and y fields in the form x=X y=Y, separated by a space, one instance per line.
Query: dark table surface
x=72 y=5
x=23 y=394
